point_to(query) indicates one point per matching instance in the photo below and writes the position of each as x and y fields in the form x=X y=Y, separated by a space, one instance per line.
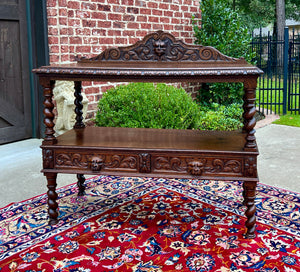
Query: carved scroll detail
x=161 y=46
x=71 y=160
x=116 y=161
x=226 y=166
x=198 y=166
x=167 y=163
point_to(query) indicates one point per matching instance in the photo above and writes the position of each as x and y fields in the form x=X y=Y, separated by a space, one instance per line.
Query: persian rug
x=151 y=224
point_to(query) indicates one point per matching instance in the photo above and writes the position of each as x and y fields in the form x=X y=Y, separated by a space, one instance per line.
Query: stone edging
x=269 y=119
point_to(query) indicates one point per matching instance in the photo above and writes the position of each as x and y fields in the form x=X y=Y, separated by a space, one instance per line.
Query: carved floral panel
x=95 y=162
x=198 y=166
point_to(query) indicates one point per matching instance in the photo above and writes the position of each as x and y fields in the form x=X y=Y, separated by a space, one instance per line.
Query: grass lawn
x=273 y=94
x=289 y=120
x=269 y=93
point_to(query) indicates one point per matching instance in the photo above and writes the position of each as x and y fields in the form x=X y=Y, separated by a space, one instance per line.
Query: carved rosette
x=144 y=163
x=48 y=159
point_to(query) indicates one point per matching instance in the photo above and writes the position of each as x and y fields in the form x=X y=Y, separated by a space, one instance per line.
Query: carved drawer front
x=151 y=163
x=198 y=166
x=96 y=162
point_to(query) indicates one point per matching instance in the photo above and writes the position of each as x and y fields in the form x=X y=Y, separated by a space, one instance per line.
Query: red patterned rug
x=145 y=224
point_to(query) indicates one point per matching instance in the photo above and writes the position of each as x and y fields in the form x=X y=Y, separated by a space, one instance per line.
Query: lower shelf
x=151 y=152
x=154 y=139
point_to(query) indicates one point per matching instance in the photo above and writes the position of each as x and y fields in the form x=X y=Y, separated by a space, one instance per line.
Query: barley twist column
x=80 y=184
x=52 y=197
x=249 y=112
x=78 y=103
x=249 y=202
x=48 y=86
x=79 y=124
x=250 y=170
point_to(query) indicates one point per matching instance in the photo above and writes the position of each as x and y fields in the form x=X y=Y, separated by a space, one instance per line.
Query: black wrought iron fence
x=279 y=57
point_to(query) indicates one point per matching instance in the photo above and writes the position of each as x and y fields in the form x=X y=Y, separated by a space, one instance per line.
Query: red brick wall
x=87 y=27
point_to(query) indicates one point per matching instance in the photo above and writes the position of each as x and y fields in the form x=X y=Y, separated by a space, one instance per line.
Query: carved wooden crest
x=161 y=46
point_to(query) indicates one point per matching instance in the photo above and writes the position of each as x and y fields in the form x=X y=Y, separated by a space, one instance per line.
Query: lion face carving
x=196 y=167
x=96 y=164
x=159 y=47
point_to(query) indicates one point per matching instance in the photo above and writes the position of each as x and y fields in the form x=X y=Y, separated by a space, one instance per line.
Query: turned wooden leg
x=52 y=196
x=249 y=112
x=80 y=184
x=78 y=105
x=249 y=202
x=48 y=86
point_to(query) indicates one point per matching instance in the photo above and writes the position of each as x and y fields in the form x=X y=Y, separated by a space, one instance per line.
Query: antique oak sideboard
x=158 y=57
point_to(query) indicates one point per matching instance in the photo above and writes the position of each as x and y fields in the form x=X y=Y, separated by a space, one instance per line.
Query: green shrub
x=220 y=117
x=222 y=28
x=145 y=105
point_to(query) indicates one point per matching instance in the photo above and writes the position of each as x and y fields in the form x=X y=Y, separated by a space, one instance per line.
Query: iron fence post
x=285 y=68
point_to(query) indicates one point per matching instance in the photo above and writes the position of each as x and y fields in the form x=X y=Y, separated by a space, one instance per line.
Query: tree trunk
x=280 y=17
x=280 y=24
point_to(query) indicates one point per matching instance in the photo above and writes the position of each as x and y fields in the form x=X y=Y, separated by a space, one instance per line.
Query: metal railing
x=278 y=88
